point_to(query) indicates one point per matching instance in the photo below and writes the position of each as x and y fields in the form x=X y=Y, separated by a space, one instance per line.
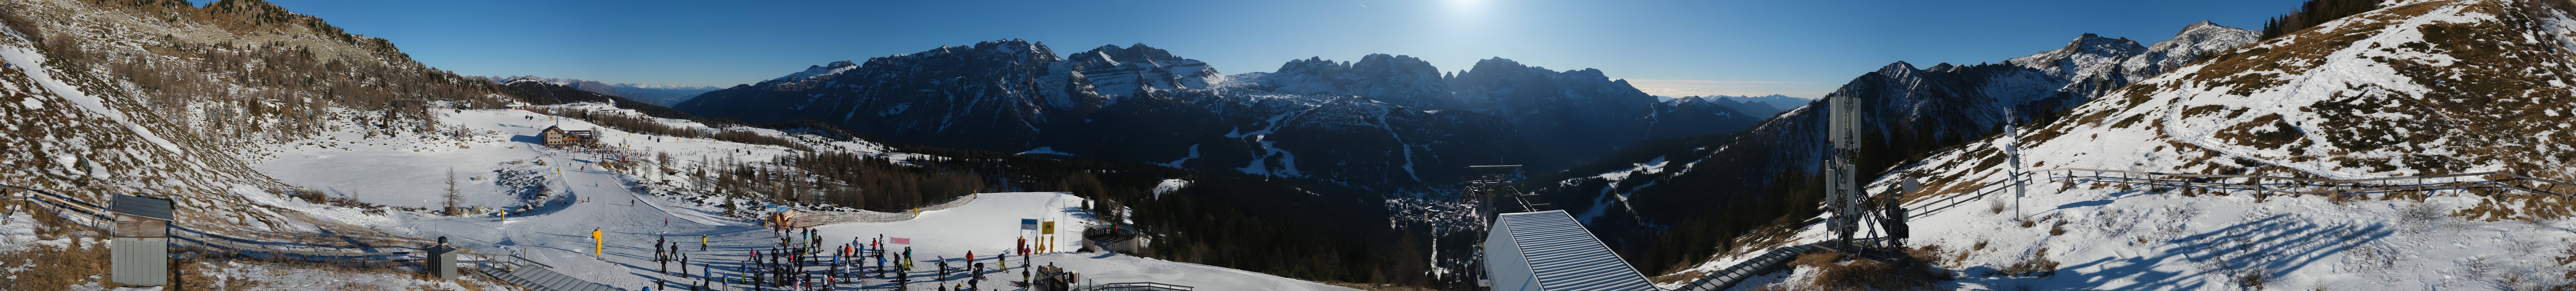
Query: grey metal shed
x=1550 y=251
x=140 y=252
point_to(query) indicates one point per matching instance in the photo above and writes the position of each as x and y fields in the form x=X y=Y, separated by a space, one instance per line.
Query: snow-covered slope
x=84 y=129
x=1734 y=185
x=2414 y=88
x=563 y=194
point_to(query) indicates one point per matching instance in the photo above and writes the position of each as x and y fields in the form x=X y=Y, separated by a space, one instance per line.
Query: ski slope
x=411 y=172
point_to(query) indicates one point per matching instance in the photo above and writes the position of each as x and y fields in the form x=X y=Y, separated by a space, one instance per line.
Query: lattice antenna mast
x=2012 y=151
x=1843 y=195
x=1488 y=187
x=1492 y=184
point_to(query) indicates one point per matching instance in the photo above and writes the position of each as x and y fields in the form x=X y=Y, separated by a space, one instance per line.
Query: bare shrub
x=1995 y=206
x=2257 y=279
x=2036 y=264
x=2058 y=228
x=2183 y=212
x=2482 y=266
x=2517 y=281
x=2117 y=223
x=2420 y=217
x=2523 y=247
x=1927 y=253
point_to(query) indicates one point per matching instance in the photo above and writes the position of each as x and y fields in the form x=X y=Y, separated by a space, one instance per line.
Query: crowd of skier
x=800 y=261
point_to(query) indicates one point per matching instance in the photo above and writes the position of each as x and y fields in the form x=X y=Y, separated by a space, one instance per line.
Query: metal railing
x=1139 y=286
x=95 y=217
x=817 y=218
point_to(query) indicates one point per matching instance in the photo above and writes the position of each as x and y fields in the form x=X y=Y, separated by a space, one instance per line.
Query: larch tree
x=452 y=196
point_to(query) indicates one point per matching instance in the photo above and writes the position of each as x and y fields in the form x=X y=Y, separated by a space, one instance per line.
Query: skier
x=702 y=243
x=943 y=270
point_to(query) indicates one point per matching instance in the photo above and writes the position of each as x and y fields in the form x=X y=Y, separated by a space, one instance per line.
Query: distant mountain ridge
x=662 y=95
x=1765 y=105
x=1382 y=122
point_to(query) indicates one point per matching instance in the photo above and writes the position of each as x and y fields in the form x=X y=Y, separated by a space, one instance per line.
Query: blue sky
x=1797 y=48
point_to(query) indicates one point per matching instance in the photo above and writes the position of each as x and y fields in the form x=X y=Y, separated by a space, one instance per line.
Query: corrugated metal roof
x=1566 y=257
x=145 y=206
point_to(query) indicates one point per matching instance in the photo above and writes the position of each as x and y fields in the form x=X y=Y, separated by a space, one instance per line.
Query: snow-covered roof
x=1548 y=250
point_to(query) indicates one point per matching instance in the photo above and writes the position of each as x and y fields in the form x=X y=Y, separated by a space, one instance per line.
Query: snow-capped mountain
x=1909 y=110
x=1384 y=122
x=1138 y=70
x=661 y=95
x=1401 y=80
x=2412 y=88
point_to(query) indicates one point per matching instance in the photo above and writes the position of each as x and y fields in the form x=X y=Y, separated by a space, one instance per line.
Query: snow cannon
x=1108 y=236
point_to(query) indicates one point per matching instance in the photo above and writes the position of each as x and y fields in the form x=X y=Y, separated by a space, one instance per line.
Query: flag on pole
x=1028 y=224
x=898 y=240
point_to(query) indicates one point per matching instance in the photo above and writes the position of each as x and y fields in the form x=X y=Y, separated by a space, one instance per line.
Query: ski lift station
x=1550 y=251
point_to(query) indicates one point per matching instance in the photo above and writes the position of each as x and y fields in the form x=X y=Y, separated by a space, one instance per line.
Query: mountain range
x=1385 y=122
x=1766 y=105
x=662 y=95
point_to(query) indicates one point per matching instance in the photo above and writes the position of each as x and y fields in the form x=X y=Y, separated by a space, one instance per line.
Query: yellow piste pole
x=598 y=242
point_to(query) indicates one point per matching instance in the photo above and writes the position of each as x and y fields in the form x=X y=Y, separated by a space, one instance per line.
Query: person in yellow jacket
x=597 y=242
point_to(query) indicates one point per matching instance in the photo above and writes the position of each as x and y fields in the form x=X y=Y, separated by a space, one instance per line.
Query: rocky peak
x=1139 y=70
x=2087 y=54
x=825 y=69
x=2187 y=45
x=1400 y=80
x=1112 y=55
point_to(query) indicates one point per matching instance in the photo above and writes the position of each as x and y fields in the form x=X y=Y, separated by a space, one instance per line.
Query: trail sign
x=1028 y=224
x=1046 y=227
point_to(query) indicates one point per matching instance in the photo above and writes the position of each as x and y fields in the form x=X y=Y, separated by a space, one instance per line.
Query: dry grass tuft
x=1868 y=275
x=2035 y=265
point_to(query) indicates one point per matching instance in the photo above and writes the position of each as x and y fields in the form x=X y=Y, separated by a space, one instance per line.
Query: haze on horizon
x=1671 y=48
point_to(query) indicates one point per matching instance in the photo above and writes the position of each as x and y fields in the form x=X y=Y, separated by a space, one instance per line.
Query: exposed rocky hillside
x=2412 y=88
x=1668 y=209
x=169 y=99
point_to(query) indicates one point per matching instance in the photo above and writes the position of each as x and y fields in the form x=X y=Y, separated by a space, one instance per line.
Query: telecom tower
x=1843 y=196
x=1495 y=184
x=1850 y=205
